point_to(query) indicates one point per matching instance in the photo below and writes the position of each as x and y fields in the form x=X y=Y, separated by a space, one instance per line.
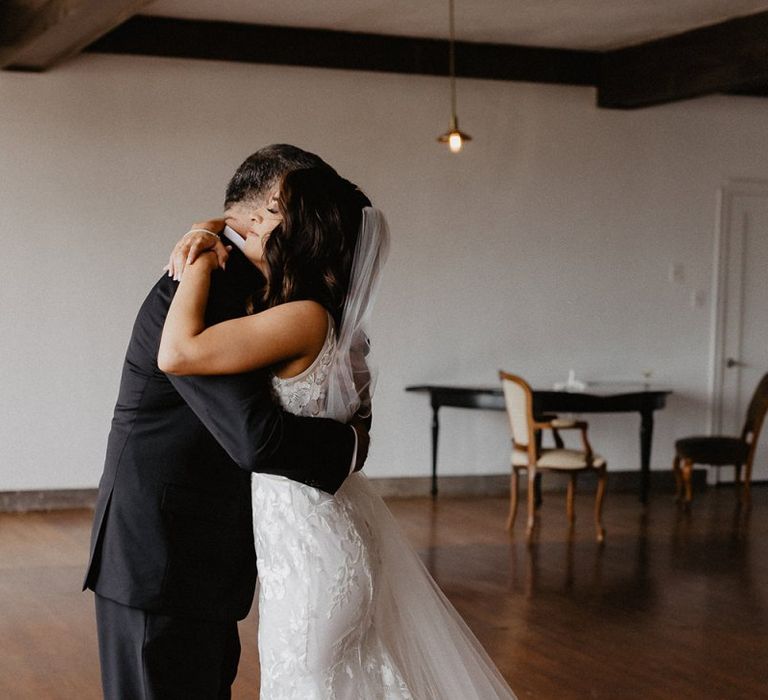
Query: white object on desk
x=572 y=384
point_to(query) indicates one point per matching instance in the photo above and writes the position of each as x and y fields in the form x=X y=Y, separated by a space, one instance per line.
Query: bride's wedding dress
x=347 y=611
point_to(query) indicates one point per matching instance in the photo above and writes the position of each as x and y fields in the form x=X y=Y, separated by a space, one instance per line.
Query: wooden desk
x=606 y=399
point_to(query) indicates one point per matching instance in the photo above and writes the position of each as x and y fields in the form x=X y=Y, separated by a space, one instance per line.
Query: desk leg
x=646 y=436
x=435 y=432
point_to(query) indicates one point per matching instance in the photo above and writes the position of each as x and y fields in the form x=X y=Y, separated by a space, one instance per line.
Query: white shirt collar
x=234 y=237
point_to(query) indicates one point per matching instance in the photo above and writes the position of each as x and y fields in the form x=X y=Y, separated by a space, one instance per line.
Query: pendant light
x=453 y=137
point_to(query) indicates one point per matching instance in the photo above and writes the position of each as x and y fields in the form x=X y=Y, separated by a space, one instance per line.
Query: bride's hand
x=199 y=239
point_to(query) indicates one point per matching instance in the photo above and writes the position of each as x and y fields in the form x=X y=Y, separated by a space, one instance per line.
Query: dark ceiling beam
x=36 y=34
x=728 y=57
x=291 y=46
x=754 y=90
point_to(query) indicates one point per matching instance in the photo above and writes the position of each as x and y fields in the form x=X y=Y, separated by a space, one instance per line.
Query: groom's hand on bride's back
x=361 y=426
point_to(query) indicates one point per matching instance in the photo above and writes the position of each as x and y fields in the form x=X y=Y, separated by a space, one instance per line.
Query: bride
x=347 y=611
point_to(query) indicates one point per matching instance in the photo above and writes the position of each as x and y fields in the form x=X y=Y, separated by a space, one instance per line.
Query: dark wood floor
x=673 y=606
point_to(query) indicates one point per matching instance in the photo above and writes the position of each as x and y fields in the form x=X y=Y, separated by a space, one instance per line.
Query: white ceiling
x=576 y=24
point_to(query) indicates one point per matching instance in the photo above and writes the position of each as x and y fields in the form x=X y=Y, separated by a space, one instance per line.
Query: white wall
x=544 y=246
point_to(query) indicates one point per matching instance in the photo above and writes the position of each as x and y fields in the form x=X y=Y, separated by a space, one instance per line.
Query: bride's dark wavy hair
x=309 y=255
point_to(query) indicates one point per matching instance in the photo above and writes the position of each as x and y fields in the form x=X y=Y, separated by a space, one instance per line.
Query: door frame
x=723 y=275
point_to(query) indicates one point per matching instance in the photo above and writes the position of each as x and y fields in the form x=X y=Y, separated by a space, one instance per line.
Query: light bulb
x=454 y=137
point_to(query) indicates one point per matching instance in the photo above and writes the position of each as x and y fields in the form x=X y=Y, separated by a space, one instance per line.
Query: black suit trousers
x=149 y=656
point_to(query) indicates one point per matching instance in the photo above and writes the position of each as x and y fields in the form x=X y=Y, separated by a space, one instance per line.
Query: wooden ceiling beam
x=321 y=48
x=36 y=34
x=728 y=57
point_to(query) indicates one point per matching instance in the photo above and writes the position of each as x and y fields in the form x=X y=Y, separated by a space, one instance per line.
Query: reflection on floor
x=673 y=606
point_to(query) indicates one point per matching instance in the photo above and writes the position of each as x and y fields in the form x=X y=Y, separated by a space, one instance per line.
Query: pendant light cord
x=452 y=61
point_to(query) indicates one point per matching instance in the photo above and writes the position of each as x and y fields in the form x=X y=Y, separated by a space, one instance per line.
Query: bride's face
x=255 y=222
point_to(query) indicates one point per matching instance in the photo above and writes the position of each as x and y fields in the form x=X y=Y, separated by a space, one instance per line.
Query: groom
x=172 y=556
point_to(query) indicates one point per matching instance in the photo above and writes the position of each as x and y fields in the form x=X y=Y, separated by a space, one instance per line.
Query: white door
x=741 y=341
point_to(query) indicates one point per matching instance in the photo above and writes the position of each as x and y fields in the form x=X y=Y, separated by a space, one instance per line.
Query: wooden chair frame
x=532 y=450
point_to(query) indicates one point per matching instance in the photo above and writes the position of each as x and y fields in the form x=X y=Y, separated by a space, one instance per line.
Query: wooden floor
x=673 y=606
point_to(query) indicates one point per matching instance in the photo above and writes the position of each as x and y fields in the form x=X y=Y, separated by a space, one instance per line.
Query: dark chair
x=723 y=450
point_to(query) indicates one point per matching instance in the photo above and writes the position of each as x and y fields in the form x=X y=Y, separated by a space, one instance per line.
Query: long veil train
x=438 y=656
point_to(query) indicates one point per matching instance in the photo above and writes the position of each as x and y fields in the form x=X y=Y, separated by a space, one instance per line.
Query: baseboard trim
x=391 y=487
x=498 y=484
x=448 y=486
x=49 y=499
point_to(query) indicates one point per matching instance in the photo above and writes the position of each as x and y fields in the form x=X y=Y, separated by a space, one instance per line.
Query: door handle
x=732 y=362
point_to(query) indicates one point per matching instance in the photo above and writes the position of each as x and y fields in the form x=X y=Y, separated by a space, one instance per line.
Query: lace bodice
x=306 y=393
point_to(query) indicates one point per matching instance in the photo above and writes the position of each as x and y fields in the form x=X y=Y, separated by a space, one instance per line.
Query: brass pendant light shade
x=454 y=137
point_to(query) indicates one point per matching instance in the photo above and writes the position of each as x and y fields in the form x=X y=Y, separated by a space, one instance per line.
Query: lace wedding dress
x=347 y=611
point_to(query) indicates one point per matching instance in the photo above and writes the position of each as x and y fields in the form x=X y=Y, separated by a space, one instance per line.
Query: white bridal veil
x=437 y=654
x=350 y=384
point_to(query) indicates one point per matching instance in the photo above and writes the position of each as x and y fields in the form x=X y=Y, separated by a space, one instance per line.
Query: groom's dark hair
x=262 y=170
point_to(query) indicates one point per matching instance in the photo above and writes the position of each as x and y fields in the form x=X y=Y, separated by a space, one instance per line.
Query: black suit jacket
x=172 y=529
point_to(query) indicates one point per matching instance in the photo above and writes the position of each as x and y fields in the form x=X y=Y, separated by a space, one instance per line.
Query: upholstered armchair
x=529 y=456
